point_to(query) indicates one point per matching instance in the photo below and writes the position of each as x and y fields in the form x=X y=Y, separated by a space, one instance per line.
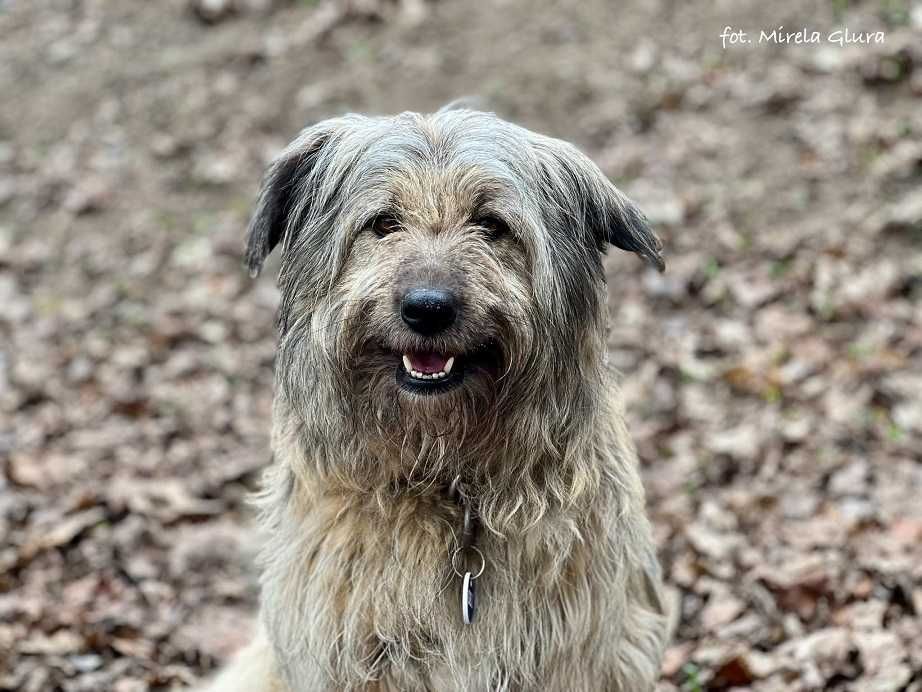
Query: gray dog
x=454 y=502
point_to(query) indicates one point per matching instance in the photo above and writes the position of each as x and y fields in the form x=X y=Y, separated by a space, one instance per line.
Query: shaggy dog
x=454 y=501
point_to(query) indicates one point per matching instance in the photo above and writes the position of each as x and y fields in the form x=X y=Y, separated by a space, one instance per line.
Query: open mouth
x=428 y=372
x=434 y=372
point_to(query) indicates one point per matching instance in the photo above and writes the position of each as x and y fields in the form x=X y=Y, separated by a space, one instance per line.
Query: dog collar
x=464 y=550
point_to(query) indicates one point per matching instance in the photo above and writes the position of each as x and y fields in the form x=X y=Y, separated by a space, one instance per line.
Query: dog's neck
x=517 y=471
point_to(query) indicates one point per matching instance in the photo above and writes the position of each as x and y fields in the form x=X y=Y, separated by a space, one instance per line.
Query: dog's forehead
x=447 y=165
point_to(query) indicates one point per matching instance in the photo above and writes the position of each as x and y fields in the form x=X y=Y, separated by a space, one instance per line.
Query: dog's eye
x=493 y=227
x=384 y=224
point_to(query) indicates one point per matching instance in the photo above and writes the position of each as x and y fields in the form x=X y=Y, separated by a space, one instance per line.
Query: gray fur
x=357 y=589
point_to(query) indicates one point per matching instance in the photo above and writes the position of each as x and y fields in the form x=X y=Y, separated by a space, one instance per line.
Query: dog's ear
x=577 y=186
x=284 y=194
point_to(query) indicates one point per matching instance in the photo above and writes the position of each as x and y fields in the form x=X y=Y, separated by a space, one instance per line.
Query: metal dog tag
x=468 y=598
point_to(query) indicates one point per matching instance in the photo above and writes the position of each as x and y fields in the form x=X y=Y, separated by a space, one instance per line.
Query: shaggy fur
x=357 y=590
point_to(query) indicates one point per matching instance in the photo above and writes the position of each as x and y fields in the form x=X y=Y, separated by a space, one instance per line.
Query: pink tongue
x=427 y=362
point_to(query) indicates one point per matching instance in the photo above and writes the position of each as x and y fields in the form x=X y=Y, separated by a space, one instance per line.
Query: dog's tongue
x=427 y=362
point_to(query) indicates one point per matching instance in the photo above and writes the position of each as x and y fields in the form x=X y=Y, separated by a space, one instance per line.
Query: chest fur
x=354 y=590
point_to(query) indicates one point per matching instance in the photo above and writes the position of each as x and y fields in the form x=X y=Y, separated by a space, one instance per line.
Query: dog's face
x=437 y=268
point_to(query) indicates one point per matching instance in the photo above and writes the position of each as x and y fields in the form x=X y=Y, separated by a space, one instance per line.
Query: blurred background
x=772 y=375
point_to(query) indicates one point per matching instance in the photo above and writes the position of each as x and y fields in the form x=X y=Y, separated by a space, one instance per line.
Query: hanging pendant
x=468 y=598
x=467 y=539
x=468 y=589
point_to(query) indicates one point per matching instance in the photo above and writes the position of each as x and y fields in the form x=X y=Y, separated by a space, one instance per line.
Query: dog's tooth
x=406 y=363
x=448 y=364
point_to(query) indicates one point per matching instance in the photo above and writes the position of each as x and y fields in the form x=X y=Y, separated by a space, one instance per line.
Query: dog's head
x=438 y=268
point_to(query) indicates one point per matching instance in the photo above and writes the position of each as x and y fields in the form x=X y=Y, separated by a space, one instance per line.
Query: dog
x=454 y=502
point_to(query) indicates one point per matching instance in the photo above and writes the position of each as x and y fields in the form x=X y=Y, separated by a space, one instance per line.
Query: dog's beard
x=339 y=375
x=500 y=429
x=425 y=435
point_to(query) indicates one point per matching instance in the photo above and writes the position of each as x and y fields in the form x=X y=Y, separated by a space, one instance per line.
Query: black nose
x=429 y=310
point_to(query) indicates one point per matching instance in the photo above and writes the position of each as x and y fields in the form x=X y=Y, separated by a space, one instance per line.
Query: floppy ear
x=284 y=195
x=576 y=185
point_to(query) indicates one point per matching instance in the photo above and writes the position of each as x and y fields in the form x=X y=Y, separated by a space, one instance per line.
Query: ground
x=772 y=375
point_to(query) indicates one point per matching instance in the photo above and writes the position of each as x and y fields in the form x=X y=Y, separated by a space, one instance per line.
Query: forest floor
x=772 y=375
